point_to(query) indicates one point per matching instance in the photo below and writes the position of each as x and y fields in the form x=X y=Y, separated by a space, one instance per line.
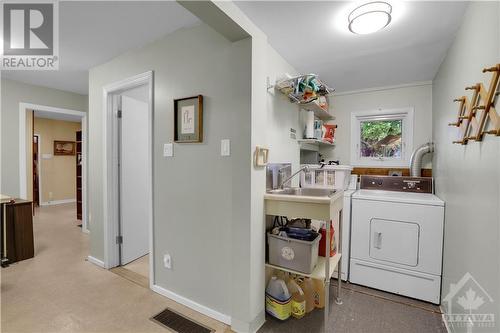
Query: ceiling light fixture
x=370 y=17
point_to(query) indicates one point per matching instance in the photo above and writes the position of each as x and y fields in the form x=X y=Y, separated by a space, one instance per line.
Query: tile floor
x=59 y=291
x=366 y=310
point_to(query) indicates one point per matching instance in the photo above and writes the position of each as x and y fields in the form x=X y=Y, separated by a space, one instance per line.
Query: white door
x=134 y=176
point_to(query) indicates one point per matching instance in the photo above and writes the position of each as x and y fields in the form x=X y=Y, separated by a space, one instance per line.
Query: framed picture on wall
x=188 y=119
x=64 y=148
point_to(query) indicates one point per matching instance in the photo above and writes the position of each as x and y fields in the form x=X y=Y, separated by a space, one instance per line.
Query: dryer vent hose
x=416 y=158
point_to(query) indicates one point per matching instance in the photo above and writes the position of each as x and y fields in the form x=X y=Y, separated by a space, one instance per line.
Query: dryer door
x=407 y=236
x=394 y=241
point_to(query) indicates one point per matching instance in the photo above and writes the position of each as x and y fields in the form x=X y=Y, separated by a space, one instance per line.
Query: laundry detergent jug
x=278 y=299
x=298 y=299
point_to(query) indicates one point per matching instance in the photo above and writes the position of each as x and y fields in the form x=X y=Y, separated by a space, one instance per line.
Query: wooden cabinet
x=79 y=175
x=18 y=230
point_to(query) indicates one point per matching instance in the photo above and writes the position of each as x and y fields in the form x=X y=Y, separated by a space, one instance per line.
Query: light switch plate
x=168 y=150
x=225 y=147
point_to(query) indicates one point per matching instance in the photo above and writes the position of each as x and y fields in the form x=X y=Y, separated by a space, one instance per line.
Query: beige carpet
x=59 y=291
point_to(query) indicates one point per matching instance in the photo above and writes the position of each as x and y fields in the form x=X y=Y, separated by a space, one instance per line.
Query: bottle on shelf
x=298 y=299
x=308 y=288
x=278 y=299
x=319 y=293
x=322 y=242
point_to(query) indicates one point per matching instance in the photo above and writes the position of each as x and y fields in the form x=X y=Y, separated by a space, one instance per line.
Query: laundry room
x=381 y=163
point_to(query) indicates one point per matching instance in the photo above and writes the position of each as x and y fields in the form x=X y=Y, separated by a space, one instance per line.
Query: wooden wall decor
x=473 y=115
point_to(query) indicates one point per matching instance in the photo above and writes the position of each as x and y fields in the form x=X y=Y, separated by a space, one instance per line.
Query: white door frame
x=110 y=173
x=23 y=187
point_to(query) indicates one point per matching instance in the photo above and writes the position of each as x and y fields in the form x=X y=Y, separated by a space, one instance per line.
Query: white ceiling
x=313 y=37
x=92 y=33
x=57 y=116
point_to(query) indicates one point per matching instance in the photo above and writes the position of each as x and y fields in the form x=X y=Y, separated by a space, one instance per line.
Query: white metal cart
x=323 y=208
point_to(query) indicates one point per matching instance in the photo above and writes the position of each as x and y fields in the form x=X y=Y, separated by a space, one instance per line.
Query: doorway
x=57 y=165
x=129 y=176
x=31 y=170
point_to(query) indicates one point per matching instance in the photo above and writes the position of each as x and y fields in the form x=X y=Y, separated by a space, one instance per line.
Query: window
x=382 y=138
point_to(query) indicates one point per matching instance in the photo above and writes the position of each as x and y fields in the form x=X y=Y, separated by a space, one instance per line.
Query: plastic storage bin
x=329 y=176
x=294 y=254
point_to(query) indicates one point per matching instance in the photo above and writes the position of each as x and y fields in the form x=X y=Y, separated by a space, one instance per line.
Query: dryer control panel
x=399 y=184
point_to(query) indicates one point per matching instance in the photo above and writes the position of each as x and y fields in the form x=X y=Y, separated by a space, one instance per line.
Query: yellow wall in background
x=58 y=173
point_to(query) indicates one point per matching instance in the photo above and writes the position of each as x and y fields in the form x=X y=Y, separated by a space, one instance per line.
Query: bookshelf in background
x=79 y=175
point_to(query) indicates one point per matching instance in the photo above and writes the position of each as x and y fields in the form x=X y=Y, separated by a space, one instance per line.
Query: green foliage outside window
x=381 y=138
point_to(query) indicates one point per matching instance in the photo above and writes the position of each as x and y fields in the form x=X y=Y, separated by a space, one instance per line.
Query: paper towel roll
x=310 y=125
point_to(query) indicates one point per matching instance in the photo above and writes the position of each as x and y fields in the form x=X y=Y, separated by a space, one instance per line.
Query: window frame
x=405 y=114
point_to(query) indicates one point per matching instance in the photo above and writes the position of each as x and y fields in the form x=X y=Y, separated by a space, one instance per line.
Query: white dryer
x=397 y=237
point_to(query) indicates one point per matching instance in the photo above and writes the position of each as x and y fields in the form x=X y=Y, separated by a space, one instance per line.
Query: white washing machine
x=397 y=237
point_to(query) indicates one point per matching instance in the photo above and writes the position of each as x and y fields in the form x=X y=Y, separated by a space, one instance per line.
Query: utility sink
x=310 y=203
x=309 y=192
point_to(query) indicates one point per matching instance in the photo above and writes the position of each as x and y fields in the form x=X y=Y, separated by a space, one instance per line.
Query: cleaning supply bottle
x=278 y=299
x=298 y=299
x=319 y=293
x=307 y=286
x=322 y=242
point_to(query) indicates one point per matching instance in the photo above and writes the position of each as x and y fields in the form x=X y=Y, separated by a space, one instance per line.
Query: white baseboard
x=444 y=320
x=192 y=305
x=57 y=202
x=252 y=327
x=96 y=261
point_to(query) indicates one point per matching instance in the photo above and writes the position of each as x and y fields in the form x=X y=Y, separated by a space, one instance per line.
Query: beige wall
x=58 y=173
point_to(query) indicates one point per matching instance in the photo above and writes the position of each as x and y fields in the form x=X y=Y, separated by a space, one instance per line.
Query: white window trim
x=406 y=114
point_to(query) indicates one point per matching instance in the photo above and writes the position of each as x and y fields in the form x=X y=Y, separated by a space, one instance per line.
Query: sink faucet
x=305 y=169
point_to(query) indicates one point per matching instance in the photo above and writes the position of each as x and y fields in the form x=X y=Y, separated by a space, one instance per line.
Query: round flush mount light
x=370 y=17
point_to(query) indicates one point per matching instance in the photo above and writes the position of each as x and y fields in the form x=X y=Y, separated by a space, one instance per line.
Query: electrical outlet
x=167 y=261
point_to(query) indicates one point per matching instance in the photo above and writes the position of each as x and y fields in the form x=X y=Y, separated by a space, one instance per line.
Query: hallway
x=59 y=291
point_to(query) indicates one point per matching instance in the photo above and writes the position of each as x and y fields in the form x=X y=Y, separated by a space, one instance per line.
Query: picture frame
x=64 y=148
x=188 y=119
